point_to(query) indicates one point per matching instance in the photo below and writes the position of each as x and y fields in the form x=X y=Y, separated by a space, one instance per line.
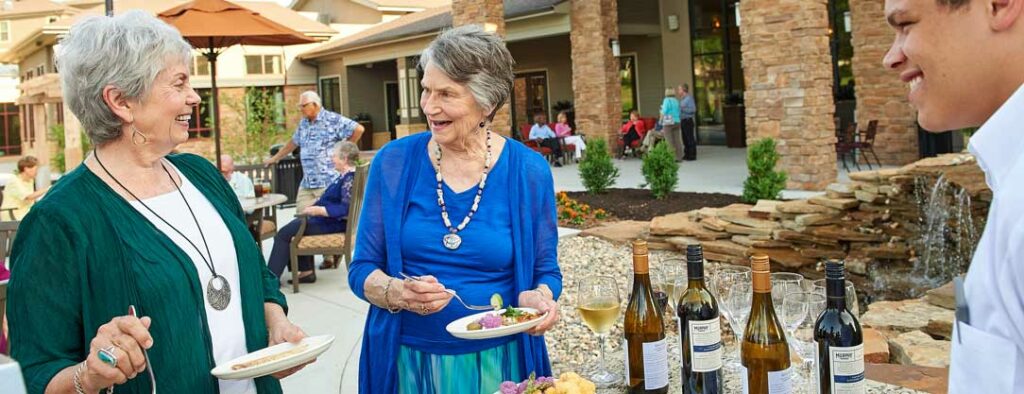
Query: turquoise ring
x=107 y=356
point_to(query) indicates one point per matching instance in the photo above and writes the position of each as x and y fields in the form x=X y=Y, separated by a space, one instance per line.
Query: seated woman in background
x=20 y=192
x=327 y=216
x=564 y=131
x=633 y=130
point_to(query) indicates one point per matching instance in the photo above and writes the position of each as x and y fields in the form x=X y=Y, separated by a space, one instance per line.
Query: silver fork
x=145 y=354
x=452 y=292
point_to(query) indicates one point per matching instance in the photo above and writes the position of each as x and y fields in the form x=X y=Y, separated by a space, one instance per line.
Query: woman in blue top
x=328 y=215
x=670 y=122
x=463 y=209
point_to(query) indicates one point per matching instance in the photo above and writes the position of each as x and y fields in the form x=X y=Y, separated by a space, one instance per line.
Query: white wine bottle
x=839 y=339
x=765 y=352
x=700 y=330
x=645 y=347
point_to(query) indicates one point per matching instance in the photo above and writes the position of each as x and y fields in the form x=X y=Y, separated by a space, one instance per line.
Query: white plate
x=458 y=327
x=314 y=347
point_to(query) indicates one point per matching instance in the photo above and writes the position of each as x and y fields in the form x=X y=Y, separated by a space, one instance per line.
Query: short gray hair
x=311 y=97
x=348 y=151
x=126 y=51
x=471 y=56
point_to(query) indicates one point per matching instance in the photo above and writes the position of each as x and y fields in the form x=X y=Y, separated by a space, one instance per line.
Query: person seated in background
x=328 y=215
x=20 y=192
x=546 y=137
x=239 y=182
x=633 y=130
x=564 y=131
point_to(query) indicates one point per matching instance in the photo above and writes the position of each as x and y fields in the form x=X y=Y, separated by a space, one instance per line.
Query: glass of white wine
x=599 y=305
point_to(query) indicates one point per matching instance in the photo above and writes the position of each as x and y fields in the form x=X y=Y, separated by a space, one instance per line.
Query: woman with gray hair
x=457 y=208
x=138 y=251
x=329 y=214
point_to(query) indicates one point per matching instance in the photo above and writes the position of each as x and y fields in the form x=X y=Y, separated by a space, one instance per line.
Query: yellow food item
x=571 y=383
x=273 y=357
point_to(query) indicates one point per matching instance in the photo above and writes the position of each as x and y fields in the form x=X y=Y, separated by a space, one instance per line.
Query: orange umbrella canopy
x=219 y=24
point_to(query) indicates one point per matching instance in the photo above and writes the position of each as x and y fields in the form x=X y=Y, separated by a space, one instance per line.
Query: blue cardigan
x=534 y=240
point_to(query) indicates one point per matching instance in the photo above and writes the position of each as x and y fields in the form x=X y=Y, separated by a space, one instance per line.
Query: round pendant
x=218 y=297
x=452 y=241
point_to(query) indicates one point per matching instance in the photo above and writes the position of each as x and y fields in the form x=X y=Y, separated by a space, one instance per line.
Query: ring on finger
x=106 y=355
x=424 y=309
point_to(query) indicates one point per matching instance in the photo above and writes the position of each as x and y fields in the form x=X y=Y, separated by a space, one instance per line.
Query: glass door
x=529 y=97
x=717 y=69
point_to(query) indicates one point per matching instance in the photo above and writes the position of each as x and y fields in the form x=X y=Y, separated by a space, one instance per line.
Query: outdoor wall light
x=673 y=22
x=614 y=44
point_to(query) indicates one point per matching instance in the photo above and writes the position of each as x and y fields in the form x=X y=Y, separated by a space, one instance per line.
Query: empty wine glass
x=598 y=303
x=799 y=312
x=818 y=286
x=674 y=271
x=784 y=283
x=732 y=286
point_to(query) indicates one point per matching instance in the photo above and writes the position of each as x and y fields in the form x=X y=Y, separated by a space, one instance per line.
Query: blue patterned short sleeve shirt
x=316 y=140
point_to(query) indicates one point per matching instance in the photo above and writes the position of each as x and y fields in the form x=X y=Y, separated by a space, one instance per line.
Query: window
x=262 y=64
x=5 y=31
x=10 y=137
x=627 y=84
x=529 y=97
x=200 y=65
x=40 y=70
x=264 y=107
x=201 y=124
x=330 y=93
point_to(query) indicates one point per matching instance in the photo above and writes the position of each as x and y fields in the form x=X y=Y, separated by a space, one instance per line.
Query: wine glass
x=662 y=288
x=732 y=287
x=799 y=312
x=818 y=286
x=599 y=304
x=672 y=280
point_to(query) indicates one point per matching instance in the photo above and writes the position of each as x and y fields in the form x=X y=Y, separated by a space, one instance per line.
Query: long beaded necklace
x=452 y=240
x=218 y=297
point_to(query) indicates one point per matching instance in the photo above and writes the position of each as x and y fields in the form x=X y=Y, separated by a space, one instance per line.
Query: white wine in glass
x=599 y=305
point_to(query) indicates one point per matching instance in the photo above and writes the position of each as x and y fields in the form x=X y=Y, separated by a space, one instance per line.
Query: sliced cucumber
x=496 y=301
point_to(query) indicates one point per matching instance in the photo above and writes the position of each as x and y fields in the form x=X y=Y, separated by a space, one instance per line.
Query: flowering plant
x=572 y=212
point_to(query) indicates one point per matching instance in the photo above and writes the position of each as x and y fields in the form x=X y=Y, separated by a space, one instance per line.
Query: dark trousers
x=280 y=256
x=555 y=145
x=628 y=139
x=689 y=140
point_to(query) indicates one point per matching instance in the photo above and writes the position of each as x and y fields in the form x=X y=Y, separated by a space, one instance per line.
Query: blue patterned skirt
x=479 y=372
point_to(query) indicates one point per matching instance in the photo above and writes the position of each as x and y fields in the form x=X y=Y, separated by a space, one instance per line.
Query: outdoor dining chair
x=867 y=143
x=262 y=222
x=846 y=145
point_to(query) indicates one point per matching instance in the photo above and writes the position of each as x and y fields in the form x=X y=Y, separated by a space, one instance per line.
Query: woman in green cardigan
x=135 y=226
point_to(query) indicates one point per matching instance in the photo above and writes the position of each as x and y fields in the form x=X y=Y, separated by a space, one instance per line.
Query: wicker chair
x=338 y=244
x=262 y=222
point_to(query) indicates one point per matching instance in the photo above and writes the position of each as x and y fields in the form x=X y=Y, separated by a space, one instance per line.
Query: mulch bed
x=638 y=204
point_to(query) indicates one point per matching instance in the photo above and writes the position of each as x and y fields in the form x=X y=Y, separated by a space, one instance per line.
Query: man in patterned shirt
x=318 y=131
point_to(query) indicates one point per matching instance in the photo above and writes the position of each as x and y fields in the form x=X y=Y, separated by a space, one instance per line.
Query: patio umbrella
x=212 y=25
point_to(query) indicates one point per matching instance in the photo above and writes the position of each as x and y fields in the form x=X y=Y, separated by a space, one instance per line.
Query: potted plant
x=735 y=121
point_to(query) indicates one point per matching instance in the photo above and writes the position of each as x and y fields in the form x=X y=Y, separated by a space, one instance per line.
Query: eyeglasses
x=304 y=105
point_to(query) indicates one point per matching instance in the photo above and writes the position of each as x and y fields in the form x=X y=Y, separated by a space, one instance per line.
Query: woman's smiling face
x=451 y=110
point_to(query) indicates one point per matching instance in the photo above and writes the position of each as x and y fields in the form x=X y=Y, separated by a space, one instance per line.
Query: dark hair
x=27 y=162
x=954 y=4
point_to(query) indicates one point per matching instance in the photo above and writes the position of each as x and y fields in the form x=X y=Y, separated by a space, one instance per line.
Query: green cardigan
x=83 y=254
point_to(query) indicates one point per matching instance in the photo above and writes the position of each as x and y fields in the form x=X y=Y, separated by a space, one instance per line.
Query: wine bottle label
x=846 y=369
x=705 y=345
x=655 y=364
x=625 y=359
x=779 y=382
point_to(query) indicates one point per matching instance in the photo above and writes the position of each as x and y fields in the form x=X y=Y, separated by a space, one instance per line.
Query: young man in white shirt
x=964 y=63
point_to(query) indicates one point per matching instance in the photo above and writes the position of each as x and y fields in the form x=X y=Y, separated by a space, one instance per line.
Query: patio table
x=251 y=204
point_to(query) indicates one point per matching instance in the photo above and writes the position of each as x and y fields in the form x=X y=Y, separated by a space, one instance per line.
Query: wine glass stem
x=601 y=343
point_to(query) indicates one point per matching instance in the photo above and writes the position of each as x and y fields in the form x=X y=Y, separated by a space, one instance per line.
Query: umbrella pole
x=212 y=57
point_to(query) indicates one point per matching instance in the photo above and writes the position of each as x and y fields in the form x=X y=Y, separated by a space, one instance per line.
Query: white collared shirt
x=994 y=287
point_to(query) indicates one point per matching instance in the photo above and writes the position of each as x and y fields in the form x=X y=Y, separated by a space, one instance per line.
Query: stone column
x=595 y=71
x=787 y=67
x=490 y=14
x=880 y=94
x=409 y=98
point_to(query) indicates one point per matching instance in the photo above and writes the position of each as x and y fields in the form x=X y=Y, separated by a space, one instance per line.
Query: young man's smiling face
x=956 y=60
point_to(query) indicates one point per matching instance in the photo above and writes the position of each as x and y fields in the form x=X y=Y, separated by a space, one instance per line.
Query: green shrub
x=763 y=183
x=661 y=170
x=596 y=169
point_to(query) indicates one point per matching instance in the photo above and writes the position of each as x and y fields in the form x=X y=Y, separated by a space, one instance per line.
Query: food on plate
x=567 y=383
x=271 y=358
x=510 y=316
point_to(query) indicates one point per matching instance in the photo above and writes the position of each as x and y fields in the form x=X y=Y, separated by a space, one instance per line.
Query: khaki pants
x=306 y=197
x=675 y=138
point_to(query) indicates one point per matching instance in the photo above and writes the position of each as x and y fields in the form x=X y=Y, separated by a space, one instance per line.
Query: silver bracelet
x=77 y=380
x=387 y=301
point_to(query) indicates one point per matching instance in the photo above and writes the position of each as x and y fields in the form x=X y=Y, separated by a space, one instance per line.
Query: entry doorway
x=529 y=97
x=391 y=106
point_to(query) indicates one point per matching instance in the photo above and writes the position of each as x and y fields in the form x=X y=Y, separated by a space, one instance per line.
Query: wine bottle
x=646 y=349
x=765 y=352
x=700 y=330
x=839 y=339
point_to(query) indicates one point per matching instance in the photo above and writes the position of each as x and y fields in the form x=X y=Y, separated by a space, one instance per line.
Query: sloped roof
x=33 y=7
x=411 y=3
x=418 y=23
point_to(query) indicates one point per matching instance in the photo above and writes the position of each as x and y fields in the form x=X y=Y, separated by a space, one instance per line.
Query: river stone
x=841 y=190
x=912 y=377
x=792 y=225
x=802 y=206
x=714 y=224
x=765 y=209
x=864 y=176
x=940 y=326
x=750 y=222
x=869 y=197
x=835 y=203
x=902 y=316
x=739 y=229
x=918 y=348
x=680 y=224
x=816 y=219
x=725 y=247
x=942 y=296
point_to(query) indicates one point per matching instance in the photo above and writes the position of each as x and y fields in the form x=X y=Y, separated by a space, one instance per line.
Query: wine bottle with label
x=839 y=339
x=646 y=349
x=764 y=353
x=700 y=330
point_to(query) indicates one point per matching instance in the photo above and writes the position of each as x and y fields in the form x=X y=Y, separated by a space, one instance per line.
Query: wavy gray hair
x=471 y=56
x=348 y=151
x=310 y=97
x=126 y=51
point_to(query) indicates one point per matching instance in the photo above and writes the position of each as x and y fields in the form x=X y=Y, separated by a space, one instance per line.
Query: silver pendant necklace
x=452 y=240
x=218 y=291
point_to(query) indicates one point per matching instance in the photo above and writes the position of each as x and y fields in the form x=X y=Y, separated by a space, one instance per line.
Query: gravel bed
x=571 y=345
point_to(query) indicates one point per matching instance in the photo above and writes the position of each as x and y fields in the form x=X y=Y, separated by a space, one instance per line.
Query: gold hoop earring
x=137 y=133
